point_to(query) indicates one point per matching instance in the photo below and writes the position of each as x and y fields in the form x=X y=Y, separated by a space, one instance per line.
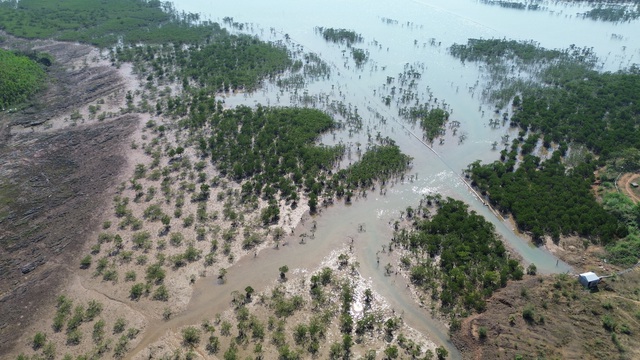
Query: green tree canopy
x=20 y=78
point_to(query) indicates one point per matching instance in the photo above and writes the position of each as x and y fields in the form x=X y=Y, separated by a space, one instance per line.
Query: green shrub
x=190 y=336
x=94 y=309
x=49 y=351
x=85 y=263
x=161 y=293
x=609 y=323
x=39 y=340
x=119 y=325
x=76 y=319
x=98 y=331
x=624 y=328
x=121 y=347
x=532 y=269
x=136 y=291
x=528 y=313
x=74 y=337
x=176 y=239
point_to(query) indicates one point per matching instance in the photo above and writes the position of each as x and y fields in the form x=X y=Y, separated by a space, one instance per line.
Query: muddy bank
x=53 y=183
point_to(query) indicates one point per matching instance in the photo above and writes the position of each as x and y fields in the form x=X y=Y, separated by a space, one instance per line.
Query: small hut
x=589 y=279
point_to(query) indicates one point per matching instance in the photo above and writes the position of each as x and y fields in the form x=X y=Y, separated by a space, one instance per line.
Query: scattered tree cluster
x=223 y=63
x=274 y=147
x=545 y=197
x=320 y=323
x=235 y=62
x=380 y=162
x=599 y=110
x=498 y=50
x=272 y=150
x=432 y=120
x=456 y=256
x=512 y=4
x=82 y=325
x=614 y=12
x=339 y=36
x=359 y=56
x=568 y=102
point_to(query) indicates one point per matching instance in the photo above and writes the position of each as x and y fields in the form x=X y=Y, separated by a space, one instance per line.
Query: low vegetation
x=103 y=23
x=625 y=251
x=20 y=78
x=82 y=325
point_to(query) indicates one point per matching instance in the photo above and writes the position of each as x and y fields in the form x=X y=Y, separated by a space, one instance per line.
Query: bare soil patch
x=555 y=317
x=54 y=183
x=581 y=254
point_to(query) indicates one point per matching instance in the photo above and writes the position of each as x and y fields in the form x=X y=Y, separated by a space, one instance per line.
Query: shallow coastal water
x=418 y=33
x=397 y=33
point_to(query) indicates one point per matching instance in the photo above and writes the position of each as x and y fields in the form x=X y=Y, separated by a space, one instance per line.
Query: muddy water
x=407 y=40
x=391 y=45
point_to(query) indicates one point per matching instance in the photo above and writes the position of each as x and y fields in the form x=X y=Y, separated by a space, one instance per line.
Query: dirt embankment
x=54 y=183
x=554 y=317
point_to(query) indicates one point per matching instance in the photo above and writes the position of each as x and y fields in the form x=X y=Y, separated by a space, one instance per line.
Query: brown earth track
x=624 y=184
x=53 y=184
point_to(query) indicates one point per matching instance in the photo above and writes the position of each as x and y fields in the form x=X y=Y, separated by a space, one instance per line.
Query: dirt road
x=624 y=184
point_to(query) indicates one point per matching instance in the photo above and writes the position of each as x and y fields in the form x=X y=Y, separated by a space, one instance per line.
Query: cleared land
x=554 y=317
x=54 y=183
